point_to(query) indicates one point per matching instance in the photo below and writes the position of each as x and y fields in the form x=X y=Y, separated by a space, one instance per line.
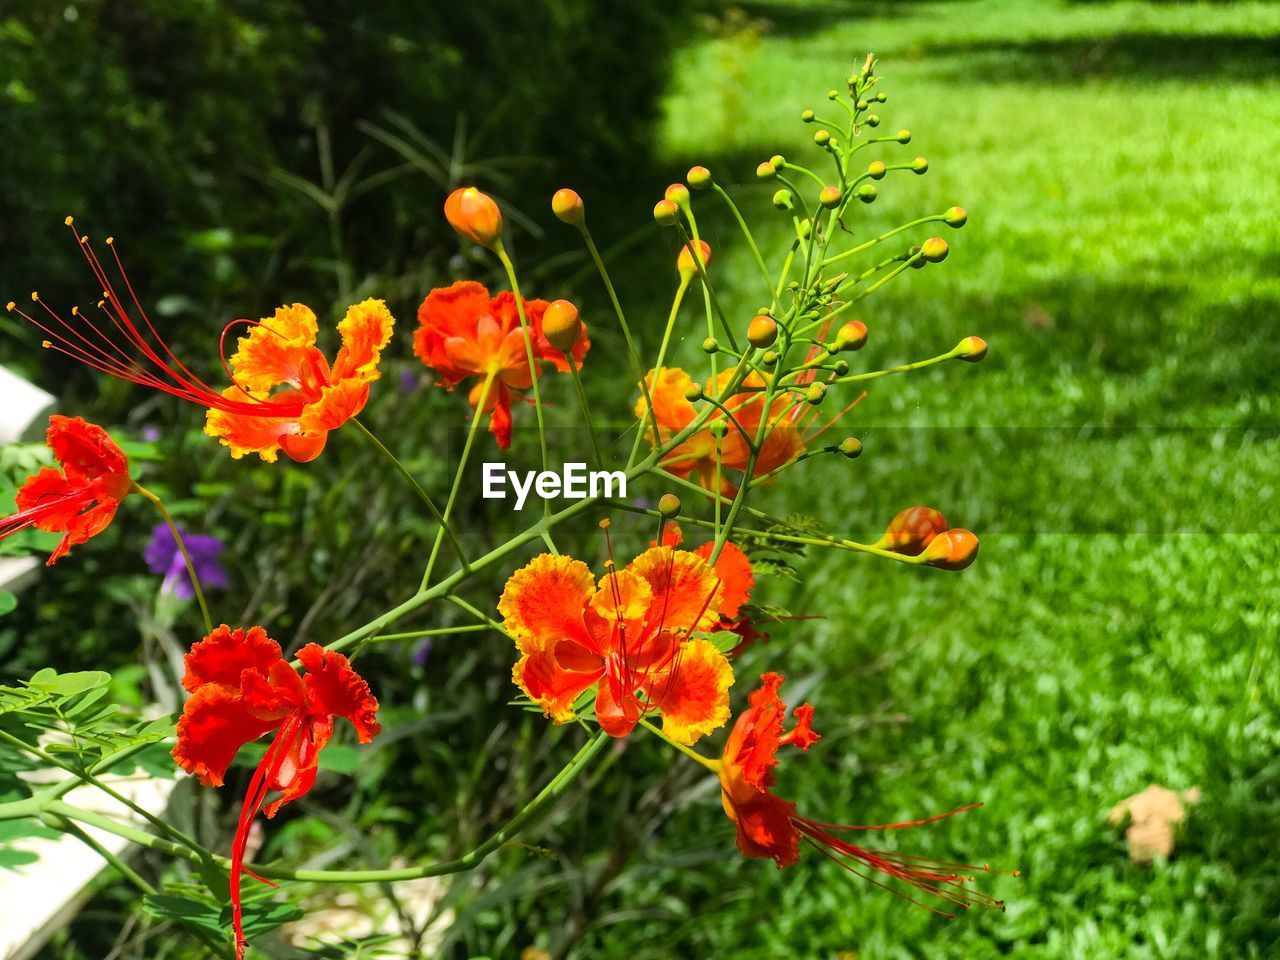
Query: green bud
x=866 y=192
x=955 y=217
x=871 y=120
x=919 y=165
x=718 y=429
x=816 y=393
x=669 y=506
x=861 y=105
x=904 y=136
x=880 y=97
x=841 y=367
x=876 y=170
x=851 y=447
x=833 y=94
x=666 y=213
x=782 y=199
x=971 y=349
x=699 y=177
x=710 y=345
x=766 y=171
x=822 y=137
x=693 y=393
x=778 y=160
x=916 y=262
x=770 y=357
x=807 y=116
x=934 y=250
x=829 y=197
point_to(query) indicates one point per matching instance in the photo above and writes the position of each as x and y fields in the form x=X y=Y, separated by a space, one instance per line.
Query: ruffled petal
x=543 y=602
x=540 y=675
x=686 y=591
x=671 y=409
x=694 y=695
x=617 y=710
x=215 y=723
x=224 y=655
x=765 y=828
x=276 y=350
x=734 y=570
x=245 y=433
x=335 y=689
x=84 y=525
x=87 y=452
x=365 y=330
x=448 y=312
x=623 y=597
x=56 y=498
x=500 y=418
x=338 y=403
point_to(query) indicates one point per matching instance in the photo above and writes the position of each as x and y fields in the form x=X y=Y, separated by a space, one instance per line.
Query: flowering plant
x=647 y=647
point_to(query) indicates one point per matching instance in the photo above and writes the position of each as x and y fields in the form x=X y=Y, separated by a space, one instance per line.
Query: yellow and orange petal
x=277 y=350
x=543 y=601
x=623 y=596
x=549 y=685
x=667 y=388
x=686 y=591
x=733 y=567
x=366 y=331
x=338 y=402
x=694 y=696
x=244 y=433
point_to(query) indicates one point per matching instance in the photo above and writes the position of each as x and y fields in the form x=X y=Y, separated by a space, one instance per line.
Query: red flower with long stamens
x=768 y=827
x=251 y=415
x=80 y=500
x=464 y=333
x=241 y=688
x=627 y=637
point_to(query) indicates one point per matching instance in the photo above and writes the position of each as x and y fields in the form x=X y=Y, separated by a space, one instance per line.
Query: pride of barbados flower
x=80 y=500
x=464 y=333
x=242 y=688
x=284 y=395
x=627 y=637
x=769 y=827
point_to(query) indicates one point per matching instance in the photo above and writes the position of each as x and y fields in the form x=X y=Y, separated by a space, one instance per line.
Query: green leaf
x=7 y=602
x=69 y=684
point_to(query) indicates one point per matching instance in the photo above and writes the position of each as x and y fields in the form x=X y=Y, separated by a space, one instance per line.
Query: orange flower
x=768 y=827
x=242 y=688
x=696 y=454
x=475 y=215
x=733 y=567
x=80 y=500
x=463 y=332
x=627 y=637
x=280 y=351
x=911 y=530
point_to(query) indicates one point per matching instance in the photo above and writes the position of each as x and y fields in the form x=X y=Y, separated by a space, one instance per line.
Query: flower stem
x=712 y=765
x=182 y=547
x=746 y=232
x=586 y=412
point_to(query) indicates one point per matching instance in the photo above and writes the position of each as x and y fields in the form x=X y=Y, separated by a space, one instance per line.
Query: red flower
x=627 y=637
x=250 y=415
x=463 y=333
x=80 y=500
x=241 y=688
x=769 y=827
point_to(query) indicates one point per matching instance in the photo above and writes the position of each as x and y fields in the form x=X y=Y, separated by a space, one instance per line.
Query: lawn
x=1116 y=453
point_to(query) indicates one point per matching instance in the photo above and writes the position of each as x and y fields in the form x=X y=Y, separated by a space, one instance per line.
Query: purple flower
x=164 y=557
x=423 y=652
x=150 y=432
x=409 y=381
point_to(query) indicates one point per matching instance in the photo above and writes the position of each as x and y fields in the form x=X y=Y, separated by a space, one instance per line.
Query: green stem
x=650 y=416
x=746 y=232
x=422 y=494
x=182 y=548
x=586 y=412
x=712 y=765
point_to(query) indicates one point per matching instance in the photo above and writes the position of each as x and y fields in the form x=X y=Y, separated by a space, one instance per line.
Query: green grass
x=1115 y=453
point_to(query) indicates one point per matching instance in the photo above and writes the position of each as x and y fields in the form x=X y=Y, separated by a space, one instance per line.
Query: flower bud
x=693 y=392
x=951 y=550
x=816 y=393
x=685 y=263
x=678 y=194
x=861 y=105
x=915 y=262
x=904 y=136
x=851 y=447
x=666 y=213
x=778 y=160
x=807 y=116
x=934 y=250
x=866 y=192
x=880 y=97
x=699 y=177
x=822 y=137
x=567 y=206
x=955 y=217
x=782 y=199
x=833 y=94
x=971 y=349
x=876 y=169
x=762 y=331
x=912 y=530
x=871 y=120
x=766 y=171
x=669 y=506
x=852 y=335
x=829 y=197
x=718 y=428
x=841 y=367
x=474 y=215
x=919 y=165
x=770 y=357
x=710 y=345
x=561 y=325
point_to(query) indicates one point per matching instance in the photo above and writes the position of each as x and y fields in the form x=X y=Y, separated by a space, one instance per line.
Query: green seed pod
x=699 y=177
x=710 y=345
x=766 y=171
x=866 y=192
x=816 y=393
x=919 y=165
x=955 y=217
x=851 y=447
x=762 y=332
x=807 y=116
x=935 y=249
x=829 y=197
x=666 y=213
x=904 y=136
x=782 y=199
x=669 y=506
x=971 y=349
x=822 y=137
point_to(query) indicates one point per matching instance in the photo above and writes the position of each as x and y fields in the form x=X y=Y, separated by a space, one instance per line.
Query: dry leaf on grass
x=1153 y=816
